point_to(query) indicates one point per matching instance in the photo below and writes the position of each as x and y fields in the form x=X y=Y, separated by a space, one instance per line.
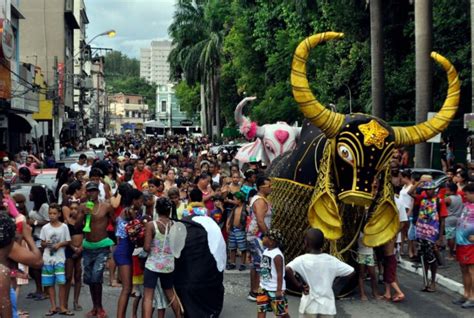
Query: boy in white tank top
x=271 y=296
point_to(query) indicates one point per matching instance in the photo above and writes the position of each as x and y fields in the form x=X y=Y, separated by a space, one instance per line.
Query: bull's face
x=363 y=149
x=278 y=138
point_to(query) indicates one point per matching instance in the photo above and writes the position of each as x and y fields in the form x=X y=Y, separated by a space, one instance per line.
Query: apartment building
x=127 y=112
x=154 y=66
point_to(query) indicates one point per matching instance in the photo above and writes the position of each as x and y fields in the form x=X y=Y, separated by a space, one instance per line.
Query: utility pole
x=97 y=109
x=56 y=120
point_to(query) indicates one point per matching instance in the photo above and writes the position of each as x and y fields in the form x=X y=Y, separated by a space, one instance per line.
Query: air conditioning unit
x=69 y=6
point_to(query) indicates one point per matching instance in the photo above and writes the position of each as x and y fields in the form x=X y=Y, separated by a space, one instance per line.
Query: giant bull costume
x=326 y=182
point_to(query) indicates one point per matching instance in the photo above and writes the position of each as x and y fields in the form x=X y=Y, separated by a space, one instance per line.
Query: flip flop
x=51 y=313
x=398 y=299
x=40 y=297
x=31 y=295
x=77 y=307
x=66 y=313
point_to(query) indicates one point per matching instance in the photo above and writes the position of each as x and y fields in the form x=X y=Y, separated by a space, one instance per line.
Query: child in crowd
x=318 y=270
x=366 y=261
x=54 y=239
x=236 y=229
x=7 y=237
x=271 y=296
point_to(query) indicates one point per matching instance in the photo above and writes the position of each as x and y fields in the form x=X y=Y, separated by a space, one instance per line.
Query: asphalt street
x=416 y=304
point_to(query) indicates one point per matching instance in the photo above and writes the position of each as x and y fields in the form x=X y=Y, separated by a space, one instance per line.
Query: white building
x=154 y=66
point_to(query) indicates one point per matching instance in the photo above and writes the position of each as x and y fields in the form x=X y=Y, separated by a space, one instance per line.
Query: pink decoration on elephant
x=271 y=140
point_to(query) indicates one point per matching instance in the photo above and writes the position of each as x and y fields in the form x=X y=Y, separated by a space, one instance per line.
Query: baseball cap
x=253 y=159
x=92 y=186
x=429 y=185
x=134 y=157
x=6 y=159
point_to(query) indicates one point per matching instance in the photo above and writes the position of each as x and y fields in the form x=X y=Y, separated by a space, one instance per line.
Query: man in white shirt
x=80 y=164
x=318 y=270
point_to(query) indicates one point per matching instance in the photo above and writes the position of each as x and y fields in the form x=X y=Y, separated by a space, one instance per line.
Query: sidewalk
x=448 y=275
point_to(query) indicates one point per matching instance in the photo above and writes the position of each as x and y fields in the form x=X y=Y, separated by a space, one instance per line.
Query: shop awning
x=25 y=124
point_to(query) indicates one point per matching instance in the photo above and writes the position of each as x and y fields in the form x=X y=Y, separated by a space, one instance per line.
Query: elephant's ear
x=323 y=211
x=383 y=224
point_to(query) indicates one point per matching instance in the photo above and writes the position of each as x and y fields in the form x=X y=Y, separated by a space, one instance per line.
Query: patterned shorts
x=367 y=260
x=268 y=302
x=237 y=240
x=53 y=274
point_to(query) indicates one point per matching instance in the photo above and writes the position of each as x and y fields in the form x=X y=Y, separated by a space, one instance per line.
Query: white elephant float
x=271 y=140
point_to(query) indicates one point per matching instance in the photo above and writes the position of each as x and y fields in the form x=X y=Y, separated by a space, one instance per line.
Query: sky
x=137 y=23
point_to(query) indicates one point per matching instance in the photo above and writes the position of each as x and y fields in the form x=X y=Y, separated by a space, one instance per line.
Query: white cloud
x=137 y=22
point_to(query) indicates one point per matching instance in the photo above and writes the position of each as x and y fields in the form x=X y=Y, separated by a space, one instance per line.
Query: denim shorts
x=94 y=261
x=256 y=251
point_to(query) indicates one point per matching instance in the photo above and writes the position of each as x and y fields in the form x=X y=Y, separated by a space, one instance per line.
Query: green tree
x=189 y=97
x=199 y=57
x=122 y=75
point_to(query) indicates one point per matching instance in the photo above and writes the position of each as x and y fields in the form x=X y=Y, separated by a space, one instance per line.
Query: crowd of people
x=118 y=215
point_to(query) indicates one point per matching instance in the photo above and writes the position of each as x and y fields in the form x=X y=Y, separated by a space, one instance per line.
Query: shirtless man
x=96 y=246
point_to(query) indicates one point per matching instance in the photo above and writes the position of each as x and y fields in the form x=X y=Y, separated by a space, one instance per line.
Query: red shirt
x=139 y=177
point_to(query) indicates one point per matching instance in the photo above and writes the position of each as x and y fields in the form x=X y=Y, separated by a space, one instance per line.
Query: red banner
x=61 y=82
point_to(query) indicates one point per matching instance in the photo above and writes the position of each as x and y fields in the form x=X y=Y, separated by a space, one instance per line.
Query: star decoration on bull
x=374 y=134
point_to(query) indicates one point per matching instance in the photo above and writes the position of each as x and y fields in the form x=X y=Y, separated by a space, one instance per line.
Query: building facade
x=154 y=66
x=18 y=92
x=170 y=115
x=127 y=112
x=47 y=36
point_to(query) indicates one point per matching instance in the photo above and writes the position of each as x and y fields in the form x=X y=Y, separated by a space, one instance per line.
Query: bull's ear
x=323 y=211
x=383 y=224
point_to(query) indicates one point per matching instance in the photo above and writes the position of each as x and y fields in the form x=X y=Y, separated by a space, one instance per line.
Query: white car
x=97 y=142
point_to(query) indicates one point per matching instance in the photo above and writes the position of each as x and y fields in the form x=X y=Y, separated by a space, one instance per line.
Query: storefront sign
x=8 y=39
x=186 y=122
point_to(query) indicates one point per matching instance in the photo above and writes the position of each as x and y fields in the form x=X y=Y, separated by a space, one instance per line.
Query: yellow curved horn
x=328 y=121
x=407 y=136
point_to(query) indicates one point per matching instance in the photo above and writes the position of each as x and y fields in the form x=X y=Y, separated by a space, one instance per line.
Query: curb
x=448 y=283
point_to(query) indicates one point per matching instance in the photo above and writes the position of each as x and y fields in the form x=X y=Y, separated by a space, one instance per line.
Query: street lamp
x=111 y=33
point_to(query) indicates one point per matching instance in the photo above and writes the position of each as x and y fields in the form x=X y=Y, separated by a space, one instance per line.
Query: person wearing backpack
x=429 y=230
x=237 y=235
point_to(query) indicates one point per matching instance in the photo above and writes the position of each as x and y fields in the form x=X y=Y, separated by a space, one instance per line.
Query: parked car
x=439 y=177
x=47 y=177
x=95 y=143
x=25 y=189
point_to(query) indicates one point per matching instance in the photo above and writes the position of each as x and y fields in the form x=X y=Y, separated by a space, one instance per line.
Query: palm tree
x=197 y=53
x=376 y=53
x=423 y=67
